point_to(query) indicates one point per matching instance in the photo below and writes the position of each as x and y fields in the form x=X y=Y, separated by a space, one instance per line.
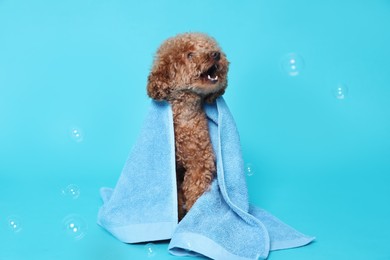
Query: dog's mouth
x=210 y=75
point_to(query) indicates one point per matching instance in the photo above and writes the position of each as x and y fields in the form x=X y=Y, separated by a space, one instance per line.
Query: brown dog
x=188 y=70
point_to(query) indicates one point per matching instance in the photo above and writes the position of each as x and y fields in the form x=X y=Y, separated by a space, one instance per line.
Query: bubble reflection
x=71 y=191
x=340 y=91
x=74 y=226
x=150 y=250
x=77 y=134
x=292 y=64
x=249 y=169
x=14 y=224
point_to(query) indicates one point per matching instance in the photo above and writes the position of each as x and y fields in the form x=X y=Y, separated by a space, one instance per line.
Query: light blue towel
x=220 y=225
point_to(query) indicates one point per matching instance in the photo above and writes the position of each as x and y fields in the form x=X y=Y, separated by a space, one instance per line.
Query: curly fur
x=190 y=69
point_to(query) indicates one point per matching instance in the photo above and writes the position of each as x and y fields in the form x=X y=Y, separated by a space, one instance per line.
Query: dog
x=189 y=70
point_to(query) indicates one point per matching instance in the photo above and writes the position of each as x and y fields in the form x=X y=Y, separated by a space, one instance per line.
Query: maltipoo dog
x=189 y=70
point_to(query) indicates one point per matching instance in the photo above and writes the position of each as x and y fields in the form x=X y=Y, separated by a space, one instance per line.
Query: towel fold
x=221 y=224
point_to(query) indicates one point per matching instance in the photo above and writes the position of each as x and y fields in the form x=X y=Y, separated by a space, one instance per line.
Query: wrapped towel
x=220 y=225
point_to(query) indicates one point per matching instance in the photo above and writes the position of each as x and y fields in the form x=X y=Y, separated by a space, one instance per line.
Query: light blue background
x=320 y=164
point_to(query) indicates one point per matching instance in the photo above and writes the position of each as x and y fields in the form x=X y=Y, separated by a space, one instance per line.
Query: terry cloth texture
x=221 y=224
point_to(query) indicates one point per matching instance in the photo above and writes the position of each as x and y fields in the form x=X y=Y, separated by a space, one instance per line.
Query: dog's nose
x=215 y=55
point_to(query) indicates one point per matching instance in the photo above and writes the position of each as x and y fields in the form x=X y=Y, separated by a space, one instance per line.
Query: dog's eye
x=189 y=55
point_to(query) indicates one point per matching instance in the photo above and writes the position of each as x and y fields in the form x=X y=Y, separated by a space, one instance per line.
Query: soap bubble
x=74 y=226
x=14 y=224
x=71 y=191
x=249 y=169
x=292 y=64
x=150 y=250
x=77 y=134
x=340 y=91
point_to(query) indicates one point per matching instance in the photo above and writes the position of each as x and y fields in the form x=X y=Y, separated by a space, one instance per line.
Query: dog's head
x=190 y=62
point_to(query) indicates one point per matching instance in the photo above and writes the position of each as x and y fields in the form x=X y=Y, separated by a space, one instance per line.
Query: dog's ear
x=213 y=96
x=159 y=81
